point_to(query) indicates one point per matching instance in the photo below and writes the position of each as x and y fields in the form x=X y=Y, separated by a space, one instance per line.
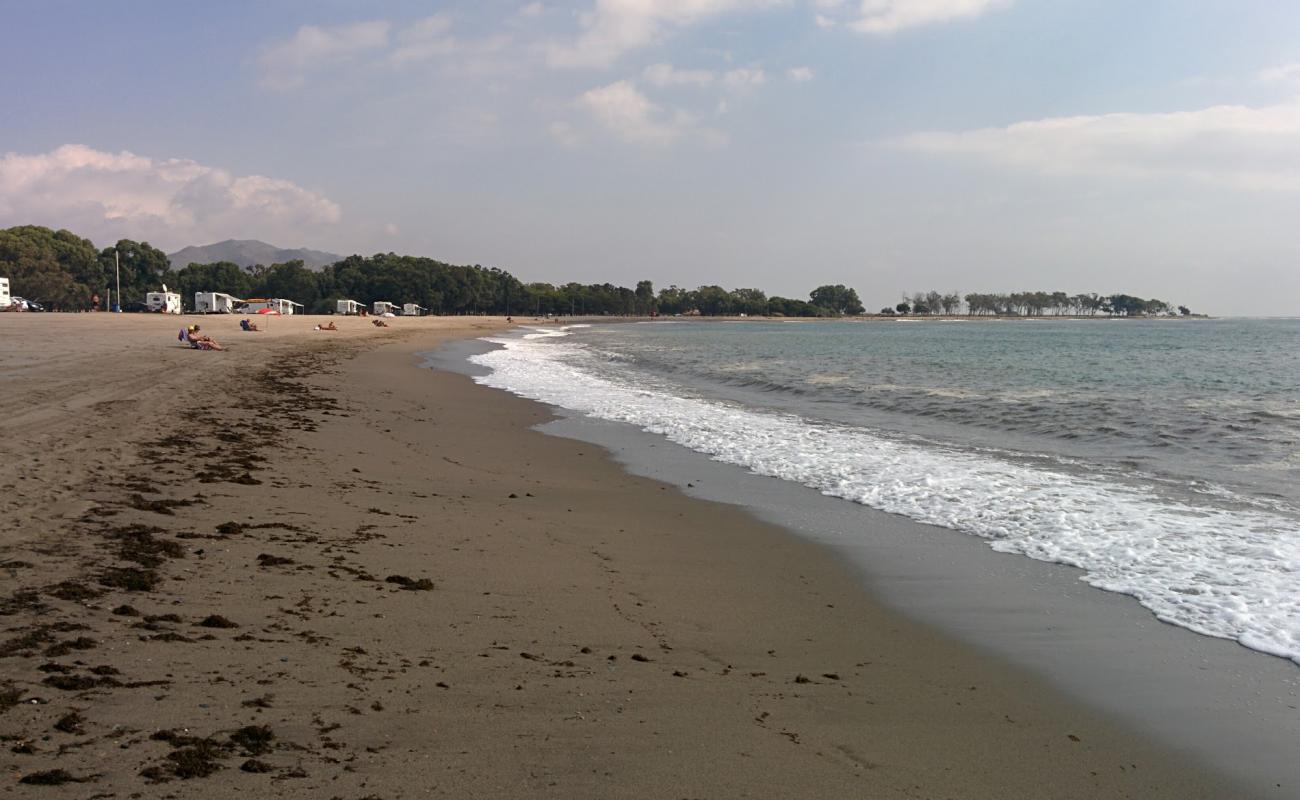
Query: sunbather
x=201 y=341
x=248 y=325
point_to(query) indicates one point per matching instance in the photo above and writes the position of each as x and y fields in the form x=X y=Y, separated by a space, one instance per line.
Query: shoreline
x=586 y=632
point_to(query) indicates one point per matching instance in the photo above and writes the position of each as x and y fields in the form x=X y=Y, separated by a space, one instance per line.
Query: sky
x=1150 y=148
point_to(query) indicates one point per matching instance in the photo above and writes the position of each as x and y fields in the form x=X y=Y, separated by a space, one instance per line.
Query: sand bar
x=305 y=567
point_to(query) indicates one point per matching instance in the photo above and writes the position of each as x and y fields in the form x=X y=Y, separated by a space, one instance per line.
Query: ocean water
x=1162 y=458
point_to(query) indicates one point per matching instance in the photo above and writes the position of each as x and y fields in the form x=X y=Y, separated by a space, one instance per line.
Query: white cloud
x=286 y=64
x=532 y=10
x=1281 y=73
x=424 y=39
x=425 y=29
x=890 y=16
x=565 y=134
x=735 y=80
x=665 y=75
x=624 y=111
x=614 y=27
x=800 y=74
x=1240 y=146
x=740 y=80
x=170 y=202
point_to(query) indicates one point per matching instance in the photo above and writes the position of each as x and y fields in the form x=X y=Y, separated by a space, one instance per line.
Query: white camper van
x=412 y=310
x=214 y=303
x=275 y=304
x=163 y=302
x=383 y=307
x=349 y=307
x=5 y=299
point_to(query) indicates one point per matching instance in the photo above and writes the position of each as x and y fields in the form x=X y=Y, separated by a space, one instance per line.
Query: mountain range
x=247 y=252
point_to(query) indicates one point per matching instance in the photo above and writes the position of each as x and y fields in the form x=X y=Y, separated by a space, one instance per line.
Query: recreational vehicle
x=214 y=302
x=274 y=305
x=163 y=302
x=349 y=307
x=412 y=310
x=5 y=299
x=382 y=307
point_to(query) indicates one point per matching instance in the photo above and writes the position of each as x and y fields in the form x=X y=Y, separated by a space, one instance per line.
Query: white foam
x=1226 y=573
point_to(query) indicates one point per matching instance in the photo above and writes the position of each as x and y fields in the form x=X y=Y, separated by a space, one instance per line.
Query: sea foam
x=1227 y=573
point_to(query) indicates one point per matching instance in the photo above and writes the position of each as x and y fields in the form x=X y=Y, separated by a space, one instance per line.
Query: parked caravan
x=163 y=302
x=382 y=307
x=274 y=305
x=214 y=303
x=412 y=310
x=349 y=307
x=5 y=299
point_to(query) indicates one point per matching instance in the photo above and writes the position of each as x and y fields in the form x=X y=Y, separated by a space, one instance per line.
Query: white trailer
x=5 y=299
x=275 y=304
x=412 y=310
x=163 y=302
x=349 y=307
x=382 y=307
x=214 y=302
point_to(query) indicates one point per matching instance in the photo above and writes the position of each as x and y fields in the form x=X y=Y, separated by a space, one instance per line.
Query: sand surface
x=305 y=567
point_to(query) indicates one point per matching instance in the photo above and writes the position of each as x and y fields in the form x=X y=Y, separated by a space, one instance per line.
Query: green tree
x=144 y=268
x=837 y=299
x=290 y=280
x=219 y=276
x=56 y=268
x=645 y=297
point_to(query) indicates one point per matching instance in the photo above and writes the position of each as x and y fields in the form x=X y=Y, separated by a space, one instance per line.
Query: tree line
x=65 y=272
x=1032 y=304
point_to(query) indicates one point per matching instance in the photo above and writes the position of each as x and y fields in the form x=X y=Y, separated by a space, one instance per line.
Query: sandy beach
x=307 y=567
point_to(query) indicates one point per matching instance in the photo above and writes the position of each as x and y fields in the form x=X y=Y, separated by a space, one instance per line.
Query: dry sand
x=306 y=568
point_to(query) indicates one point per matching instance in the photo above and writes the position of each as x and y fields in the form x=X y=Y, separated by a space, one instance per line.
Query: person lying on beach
x=248 y=326
x=379 y=323
x=329 y=326
x=201 y=341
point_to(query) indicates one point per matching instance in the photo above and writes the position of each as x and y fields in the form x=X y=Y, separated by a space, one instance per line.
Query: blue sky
x=892 y=145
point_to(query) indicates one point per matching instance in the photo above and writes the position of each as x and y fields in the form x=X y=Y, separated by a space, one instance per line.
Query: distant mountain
x=247 y=252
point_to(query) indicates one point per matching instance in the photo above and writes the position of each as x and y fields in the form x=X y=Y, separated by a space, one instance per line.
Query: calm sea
x=1161 y=457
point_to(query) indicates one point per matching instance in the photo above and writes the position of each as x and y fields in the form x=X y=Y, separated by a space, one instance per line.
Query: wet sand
x=307 y=568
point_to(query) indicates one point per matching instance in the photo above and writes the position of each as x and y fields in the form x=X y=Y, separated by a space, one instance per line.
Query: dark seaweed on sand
x=78 y=683
x=420 y=585
x=140 y=502
x=73 y=591
x=217 y=621
x=63 y=648
x=21 y=600
x=140 y=544
x=253 y=739
x=53 y=777
x=130 y=579
x=9 y=697
x=70 y=723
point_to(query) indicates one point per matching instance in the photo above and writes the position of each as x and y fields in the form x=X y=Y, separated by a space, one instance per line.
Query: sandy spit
x=305 y=567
